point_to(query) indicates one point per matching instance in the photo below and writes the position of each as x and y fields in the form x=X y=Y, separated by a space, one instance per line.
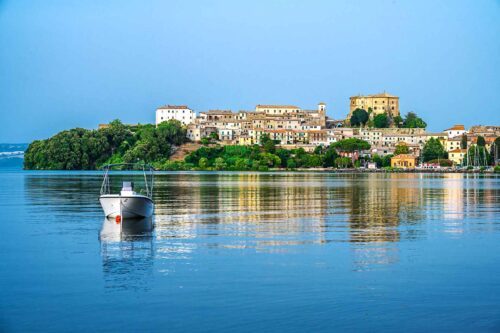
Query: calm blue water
x=253 y=252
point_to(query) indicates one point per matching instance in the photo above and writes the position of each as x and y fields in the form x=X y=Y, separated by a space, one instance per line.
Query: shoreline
x=298 y=170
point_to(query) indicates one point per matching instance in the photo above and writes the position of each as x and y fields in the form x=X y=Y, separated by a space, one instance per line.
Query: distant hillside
x=12 y=155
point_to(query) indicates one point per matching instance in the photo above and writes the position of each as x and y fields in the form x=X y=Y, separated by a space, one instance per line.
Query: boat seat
x=127 y=188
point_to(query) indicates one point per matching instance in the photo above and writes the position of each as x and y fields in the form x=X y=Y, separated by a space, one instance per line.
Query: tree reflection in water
x=278 y=212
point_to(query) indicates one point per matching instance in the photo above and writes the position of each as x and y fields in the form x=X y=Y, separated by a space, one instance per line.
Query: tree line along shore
x=82 y=149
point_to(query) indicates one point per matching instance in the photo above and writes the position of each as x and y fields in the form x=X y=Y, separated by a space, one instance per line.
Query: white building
x=455 y=131
x=178 y=112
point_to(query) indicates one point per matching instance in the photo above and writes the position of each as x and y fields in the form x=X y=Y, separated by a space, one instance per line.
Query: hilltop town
x=372 y=135
x=375 y=119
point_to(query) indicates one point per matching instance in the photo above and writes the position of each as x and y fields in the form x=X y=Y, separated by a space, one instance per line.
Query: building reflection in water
x=280 y=212
x=127 y=252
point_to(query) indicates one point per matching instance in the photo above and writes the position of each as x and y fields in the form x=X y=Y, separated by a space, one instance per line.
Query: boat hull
x=126 y=206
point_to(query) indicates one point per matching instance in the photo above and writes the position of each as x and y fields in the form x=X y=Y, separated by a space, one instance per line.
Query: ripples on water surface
x=253 y=252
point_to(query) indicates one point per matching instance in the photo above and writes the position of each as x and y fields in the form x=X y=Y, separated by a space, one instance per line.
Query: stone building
x=378 y=103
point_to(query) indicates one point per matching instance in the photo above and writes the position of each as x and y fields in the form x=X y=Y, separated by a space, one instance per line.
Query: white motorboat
x=128 y=203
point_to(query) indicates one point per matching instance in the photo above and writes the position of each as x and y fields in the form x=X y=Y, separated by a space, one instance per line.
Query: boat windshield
x=138 y=177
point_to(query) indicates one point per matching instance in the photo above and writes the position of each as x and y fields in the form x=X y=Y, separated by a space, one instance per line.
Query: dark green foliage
x=214 y=136
x=398 y=121
x=495 y=149
x=81 y=149
x=463 y=141
x=268 y=144
x=480 y=141
x=478 y=156
x=352 y=145
x=442 y=162
x=259 y=158
x=235 y=158
x=382 y=161
x=433 y=149
x=343 y=162
x=359 y=117
x=72 y=150
x=284 y=155
x=330 y=157
x=381 y=121
x=401 y=149
x=413 y=121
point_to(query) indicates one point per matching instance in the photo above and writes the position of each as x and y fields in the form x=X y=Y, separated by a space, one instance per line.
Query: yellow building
x=457 y=156
x=245 y=140
x=379 y=103
x=404 y=161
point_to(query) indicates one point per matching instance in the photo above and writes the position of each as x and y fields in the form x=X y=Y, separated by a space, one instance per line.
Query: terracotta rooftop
x=456 y=128
x=384 y=94
x=219 y=112
x=404 y=156
x=268 y=106
x=174 y=107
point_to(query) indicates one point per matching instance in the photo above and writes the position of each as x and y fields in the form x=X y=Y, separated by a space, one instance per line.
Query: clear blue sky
x=67 y=64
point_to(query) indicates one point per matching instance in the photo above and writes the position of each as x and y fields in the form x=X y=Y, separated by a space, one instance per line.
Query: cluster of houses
x=294 y=127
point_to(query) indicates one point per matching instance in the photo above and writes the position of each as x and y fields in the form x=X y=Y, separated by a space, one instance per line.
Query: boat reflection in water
x=128 y=229
x=127 y=252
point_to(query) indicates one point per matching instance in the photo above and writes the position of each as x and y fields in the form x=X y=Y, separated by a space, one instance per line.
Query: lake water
x=253 y=252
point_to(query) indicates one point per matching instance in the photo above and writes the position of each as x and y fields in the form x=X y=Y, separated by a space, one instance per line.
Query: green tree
x=352 y=145
x=242 y=164
x=480 y=141
x=495 y=150
x=171 y=132
x=398 y=121
x=203 y=163
x=413 y=121
x=269 y=160
x=343 y=162
x=330 y=157
x=284 y=155
x=268 y=144
x=478 y=156
x=359 y=117
x=220 y=164
x=381 y=120
x=401 y=149
x=433 y=149
x=214 y=136
x=318 y=150
x=386 y=160
x=463 y=141
x=291 y=164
